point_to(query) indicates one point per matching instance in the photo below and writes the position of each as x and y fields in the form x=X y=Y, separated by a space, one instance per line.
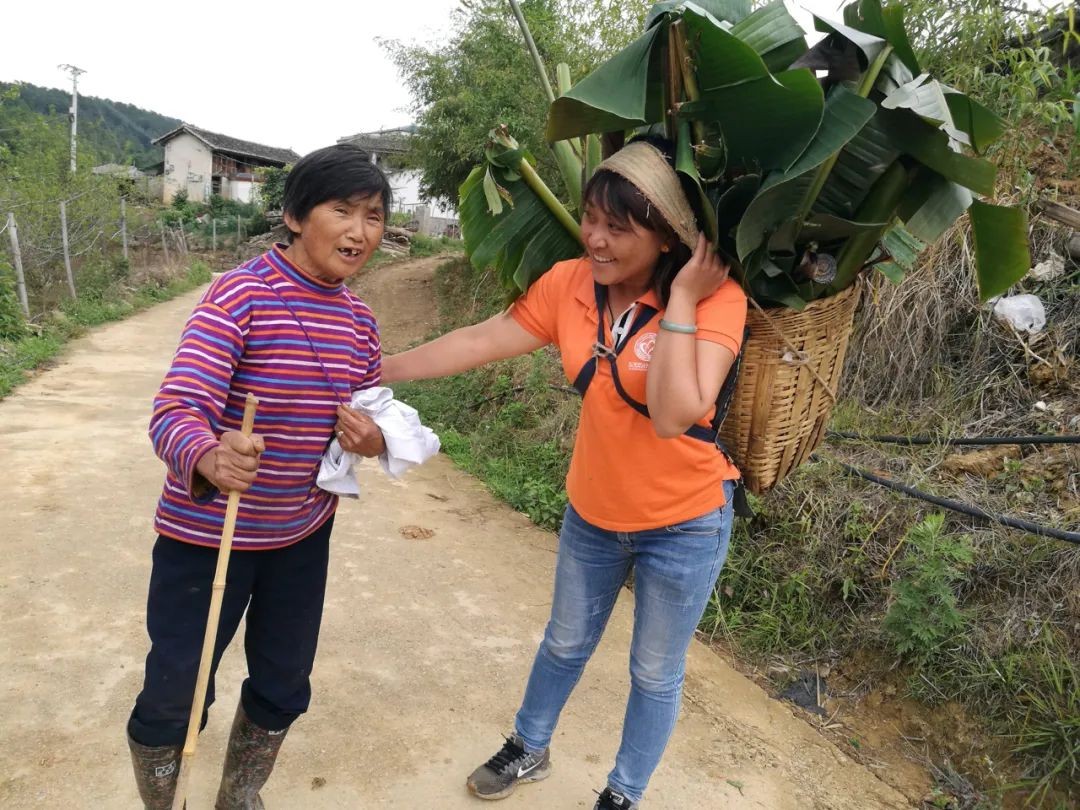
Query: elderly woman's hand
x=234 y=463
x=703 y=274
x=358 y=433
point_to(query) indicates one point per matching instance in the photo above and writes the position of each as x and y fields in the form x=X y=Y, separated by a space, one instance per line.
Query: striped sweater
x=242 y=337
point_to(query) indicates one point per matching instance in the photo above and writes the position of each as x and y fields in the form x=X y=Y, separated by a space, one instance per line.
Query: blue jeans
x=675 y=570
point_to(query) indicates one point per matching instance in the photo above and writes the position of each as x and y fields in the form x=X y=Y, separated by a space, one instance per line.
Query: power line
x=919 y=441
x=956 y=506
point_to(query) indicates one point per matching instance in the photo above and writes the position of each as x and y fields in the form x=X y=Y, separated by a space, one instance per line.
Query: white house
x=386 y=147
x=204 y=163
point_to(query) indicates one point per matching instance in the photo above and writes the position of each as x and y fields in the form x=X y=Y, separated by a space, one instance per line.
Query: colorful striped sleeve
x=188 y=407
x=373 y=375
x=367 y=335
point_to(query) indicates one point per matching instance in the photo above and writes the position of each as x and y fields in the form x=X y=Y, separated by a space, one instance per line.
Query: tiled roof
x=234 y=146
x=382 y=141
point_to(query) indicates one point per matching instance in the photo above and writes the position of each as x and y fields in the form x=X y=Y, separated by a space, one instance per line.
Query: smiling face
x=622 y=252
x=337 y=237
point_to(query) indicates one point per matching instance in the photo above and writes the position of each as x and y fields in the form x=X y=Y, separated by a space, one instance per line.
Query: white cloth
x=408 y=442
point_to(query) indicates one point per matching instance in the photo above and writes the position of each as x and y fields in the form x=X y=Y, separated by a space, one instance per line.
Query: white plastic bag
x=1025 y=313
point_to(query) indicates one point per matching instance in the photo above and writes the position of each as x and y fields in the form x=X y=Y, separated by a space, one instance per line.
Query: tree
x=272 y=191
x=483 y=77
x=35 y=175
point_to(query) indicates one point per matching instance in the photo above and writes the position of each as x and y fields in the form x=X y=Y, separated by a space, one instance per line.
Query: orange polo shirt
x=623 y=477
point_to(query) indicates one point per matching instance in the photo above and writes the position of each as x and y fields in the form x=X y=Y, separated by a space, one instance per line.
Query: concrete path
x=426 y=642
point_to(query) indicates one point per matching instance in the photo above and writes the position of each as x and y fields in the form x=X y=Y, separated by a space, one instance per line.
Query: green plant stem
x=538 y=63
x=879 y=206
x=689 y=79
x=539 y=187
x=869 y=79
x=568 y=162
x=693 y=92
x=593 y=154
x=564 y=83
x=672 y=87
x=570 y=168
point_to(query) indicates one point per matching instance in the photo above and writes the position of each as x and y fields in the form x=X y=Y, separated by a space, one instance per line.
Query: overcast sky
x=296 y=75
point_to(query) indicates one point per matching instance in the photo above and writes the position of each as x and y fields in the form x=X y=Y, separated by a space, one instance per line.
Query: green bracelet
x=682 y=328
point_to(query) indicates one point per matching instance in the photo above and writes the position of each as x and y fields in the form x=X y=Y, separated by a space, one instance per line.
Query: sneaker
x=613 y=800
x=497 y=778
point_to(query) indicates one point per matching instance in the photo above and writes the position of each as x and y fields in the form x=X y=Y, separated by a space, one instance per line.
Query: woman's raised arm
x=685 y=374
x=496 y=338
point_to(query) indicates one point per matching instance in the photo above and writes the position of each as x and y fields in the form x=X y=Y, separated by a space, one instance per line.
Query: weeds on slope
x=107 y=295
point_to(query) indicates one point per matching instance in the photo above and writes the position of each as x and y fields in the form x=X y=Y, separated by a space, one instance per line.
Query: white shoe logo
x=161 y=771
x=522 y=771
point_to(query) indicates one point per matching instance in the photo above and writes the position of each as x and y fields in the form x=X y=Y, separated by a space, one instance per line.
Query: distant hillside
x=115 y=132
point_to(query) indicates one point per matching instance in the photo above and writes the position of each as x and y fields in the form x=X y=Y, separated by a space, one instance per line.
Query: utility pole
x=75 y=73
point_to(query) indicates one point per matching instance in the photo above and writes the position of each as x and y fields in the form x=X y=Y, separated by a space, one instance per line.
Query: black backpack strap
x=602 y=350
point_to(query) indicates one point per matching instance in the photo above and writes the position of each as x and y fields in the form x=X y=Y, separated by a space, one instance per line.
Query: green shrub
x=99 y=277
x=12 y=325
x=924 y=613
x=272 y=190
x=255 y=224
x=424 y=245
x=199 y=273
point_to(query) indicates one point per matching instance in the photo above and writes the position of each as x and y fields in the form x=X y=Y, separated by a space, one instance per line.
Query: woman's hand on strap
x=702 y=275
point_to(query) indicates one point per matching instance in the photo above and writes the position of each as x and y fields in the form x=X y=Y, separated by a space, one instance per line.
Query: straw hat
x=646 y=167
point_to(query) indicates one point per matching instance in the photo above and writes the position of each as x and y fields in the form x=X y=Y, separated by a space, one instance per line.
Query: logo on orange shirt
x=644 y=345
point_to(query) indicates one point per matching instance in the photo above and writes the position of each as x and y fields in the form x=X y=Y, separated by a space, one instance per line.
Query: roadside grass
x=940 y=608
x=104 y=295
x=421 y=247
x=511 y=423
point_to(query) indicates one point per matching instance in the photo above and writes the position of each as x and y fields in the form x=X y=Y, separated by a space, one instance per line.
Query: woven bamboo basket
x=791 y=369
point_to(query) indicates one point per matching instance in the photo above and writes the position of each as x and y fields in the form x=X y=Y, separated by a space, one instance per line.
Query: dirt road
x=426 y=641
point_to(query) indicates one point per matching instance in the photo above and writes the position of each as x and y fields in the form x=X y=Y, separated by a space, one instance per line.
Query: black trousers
x=282 y=591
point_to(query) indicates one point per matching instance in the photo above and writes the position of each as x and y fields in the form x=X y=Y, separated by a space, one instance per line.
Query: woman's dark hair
x=622 y=201
x=339 y=172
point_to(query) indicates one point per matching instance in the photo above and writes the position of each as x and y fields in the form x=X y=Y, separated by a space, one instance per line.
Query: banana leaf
x=765 y=123
x=866 y=165
x=869 y=17
x=622 y=93
x=511 y=220
x=773 y=33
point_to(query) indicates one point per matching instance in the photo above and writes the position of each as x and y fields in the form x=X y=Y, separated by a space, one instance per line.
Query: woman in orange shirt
x=648 y=325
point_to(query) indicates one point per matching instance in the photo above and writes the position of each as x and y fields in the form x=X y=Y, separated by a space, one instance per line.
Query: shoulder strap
x=318 y=358
x=709 y=434
x=601 y=349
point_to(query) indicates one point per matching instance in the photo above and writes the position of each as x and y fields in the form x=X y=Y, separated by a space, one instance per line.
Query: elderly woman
x=285 y=327
x=648 y=325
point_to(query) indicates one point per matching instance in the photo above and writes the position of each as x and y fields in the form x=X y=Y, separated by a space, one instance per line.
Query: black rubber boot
x=156 y=770
x=249 y=759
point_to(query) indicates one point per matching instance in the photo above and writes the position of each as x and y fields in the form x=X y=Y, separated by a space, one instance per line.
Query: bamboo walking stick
x=210 y=638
